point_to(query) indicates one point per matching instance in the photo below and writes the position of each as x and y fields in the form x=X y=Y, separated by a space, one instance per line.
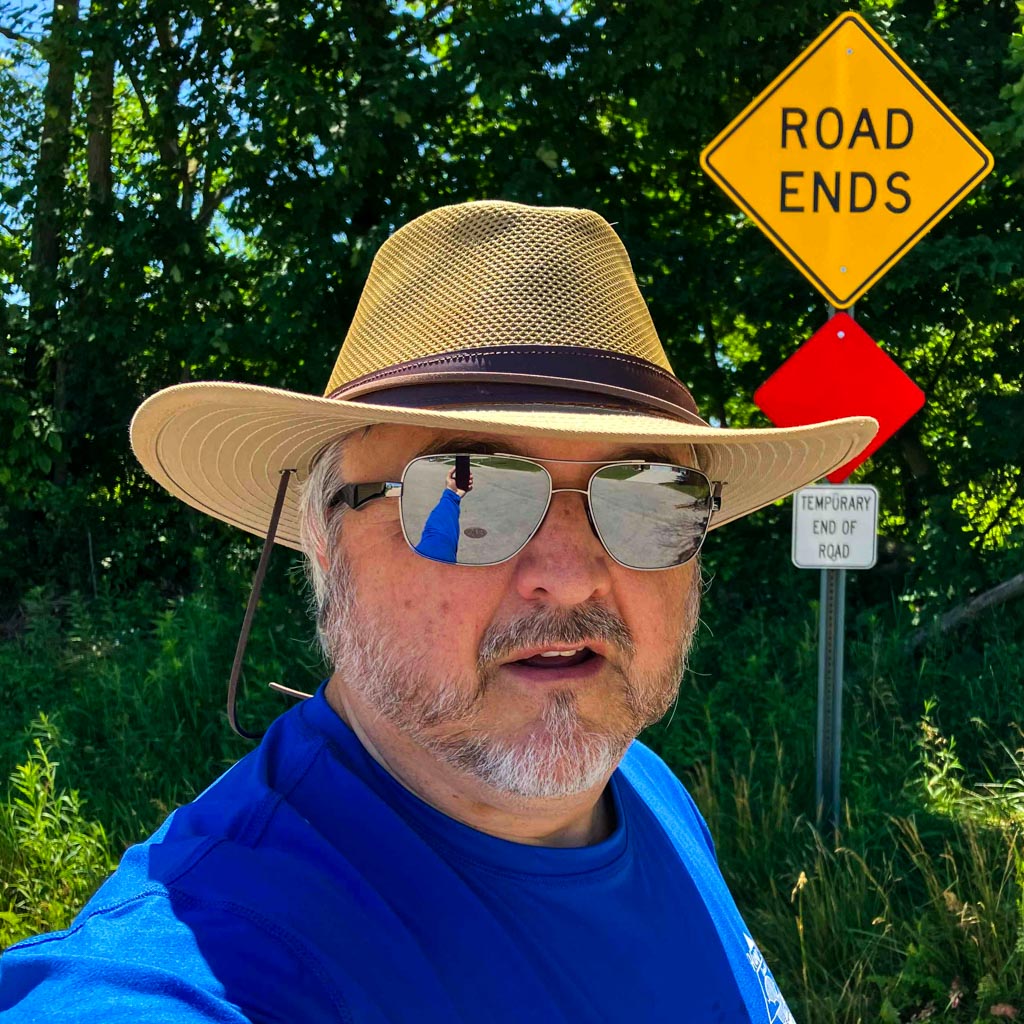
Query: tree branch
x=99 y=119
x=939 y=370
x=17 y=37
x=147 y=114
x=1005 y=591
x=211 y=205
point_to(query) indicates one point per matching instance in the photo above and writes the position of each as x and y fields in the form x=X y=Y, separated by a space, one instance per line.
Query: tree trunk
x=916 y=459
x=54 y=148
x=100 y=117
x=61 y=49
x=715 y=369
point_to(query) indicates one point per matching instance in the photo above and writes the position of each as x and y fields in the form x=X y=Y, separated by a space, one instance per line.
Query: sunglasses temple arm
x=250 y=610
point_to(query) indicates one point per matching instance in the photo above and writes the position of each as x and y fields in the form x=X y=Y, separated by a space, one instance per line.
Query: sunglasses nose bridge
x=586 y=505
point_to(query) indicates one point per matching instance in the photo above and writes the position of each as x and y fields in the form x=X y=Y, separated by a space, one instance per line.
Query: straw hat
x=490 y=317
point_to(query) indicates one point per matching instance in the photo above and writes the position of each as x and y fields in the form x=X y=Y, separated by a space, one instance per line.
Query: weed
x=51 y=856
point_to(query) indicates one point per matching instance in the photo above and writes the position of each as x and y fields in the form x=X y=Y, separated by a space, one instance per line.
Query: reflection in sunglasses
x=648 y=515
x=440 y=536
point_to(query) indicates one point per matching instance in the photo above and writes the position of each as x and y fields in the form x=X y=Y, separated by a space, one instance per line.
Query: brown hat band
x=559 y=374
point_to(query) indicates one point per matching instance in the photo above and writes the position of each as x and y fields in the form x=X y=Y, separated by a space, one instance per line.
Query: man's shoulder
x=209 y=913
x=240 y=810
x=161 y=954
x=646 y=769
x=663 y=793
x=239 y=840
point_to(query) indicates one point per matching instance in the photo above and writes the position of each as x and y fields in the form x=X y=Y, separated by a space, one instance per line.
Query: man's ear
x=321 y=558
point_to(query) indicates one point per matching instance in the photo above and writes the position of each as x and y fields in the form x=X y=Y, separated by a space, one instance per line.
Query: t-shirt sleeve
x=440 y=537
x=155 y=959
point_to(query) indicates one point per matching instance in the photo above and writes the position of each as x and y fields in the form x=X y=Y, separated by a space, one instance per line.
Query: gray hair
x=319 y=534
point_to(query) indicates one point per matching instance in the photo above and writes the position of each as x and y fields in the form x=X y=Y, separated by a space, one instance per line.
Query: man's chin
x=538 y=762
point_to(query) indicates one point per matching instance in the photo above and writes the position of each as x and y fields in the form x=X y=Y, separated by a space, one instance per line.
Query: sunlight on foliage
x=52 y=856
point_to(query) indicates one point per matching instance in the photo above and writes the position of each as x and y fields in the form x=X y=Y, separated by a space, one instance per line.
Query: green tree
x=227 y=171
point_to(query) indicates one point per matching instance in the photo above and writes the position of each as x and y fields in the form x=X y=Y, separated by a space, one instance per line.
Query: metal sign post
x=831 y=625
x=829 y=739
x=831 y=639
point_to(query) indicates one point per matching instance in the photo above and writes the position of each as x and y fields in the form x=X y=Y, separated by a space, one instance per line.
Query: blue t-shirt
x=306 y=884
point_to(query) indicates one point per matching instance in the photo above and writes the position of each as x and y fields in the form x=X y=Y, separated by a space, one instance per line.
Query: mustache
x=546 y=626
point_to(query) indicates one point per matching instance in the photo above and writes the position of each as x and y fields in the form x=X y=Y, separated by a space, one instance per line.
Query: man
x=459 y=825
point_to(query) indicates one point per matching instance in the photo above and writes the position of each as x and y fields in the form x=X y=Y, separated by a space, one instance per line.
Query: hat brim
x=221 y=447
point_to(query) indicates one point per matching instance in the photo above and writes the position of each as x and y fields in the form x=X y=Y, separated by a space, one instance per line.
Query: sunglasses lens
x=650 y=516
x=490 y=522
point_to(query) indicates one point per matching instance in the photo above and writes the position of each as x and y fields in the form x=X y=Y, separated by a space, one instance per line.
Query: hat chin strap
x=250 y=611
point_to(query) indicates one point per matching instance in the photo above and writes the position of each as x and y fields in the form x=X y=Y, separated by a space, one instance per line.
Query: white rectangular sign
x=835 y=527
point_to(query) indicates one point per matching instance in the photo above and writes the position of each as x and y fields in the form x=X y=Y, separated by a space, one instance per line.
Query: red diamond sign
x=840 y=371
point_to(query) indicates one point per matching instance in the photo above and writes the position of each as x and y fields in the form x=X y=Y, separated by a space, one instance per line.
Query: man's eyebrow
x=460 y=445
x=643 y=455
x=472 y=446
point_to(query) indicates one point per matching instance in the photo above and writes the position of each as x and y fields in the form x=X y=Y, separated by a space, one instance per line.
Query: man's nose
x=564 y=563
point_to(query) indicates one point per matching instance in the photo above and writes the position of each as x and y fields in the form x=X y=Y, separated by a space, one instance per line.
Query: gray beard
x=564 y=754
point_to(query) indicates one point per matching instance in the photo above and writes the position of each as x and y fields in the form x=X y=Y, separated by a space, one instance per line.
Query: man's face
x=452 y=656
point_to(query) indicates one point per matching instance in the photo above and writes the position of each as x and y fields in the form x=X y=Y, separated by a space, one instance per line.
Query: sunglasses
x=484 y=509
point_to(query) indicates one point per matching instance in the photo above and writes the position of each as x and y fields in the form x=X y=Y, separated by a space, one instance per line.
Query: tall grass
x=136 y=685
x=112 y=715
x=911 y=916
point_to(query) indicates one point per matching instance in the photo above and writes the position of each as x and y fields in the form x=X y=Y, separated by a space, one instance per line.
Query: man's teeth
x=560 y=654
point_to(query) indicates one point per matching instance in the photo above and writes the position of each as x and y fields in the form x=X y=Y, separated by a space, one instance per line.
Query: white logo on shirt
x=774 y=1004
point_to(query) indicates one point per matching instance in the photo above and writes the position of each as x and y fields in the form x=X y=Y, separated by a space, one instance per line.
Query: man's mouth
x=558 y=663
x=557 y=659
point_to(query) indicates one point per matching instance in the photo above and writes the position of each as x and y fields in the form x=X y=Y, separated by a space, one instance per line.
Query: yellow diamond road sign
x=846 y=160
